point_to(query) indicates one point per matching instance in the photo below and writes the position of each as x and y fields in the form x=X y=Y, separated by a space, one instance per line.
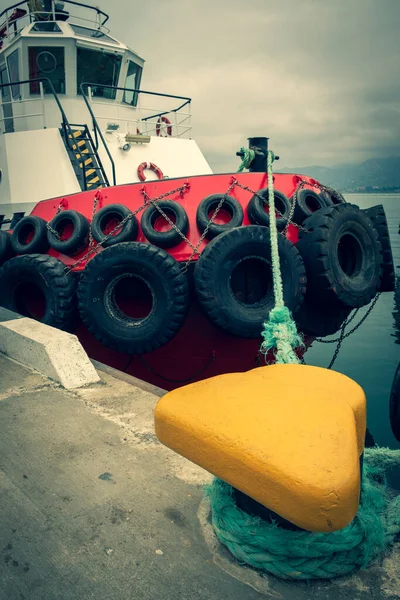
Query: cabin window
x=13 y=69
x=6 y=98
x=48 y=62
x=132 y=81
x=91 y=33
x=98 y=69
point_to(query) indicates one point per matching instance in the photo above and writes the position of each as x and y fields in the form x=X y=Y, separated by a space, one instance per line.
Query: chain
x=339 y=344
x=346 y=323
x=165 y=216
x=288 y=219
x=290 y=215
x=210 y=222
x=324 y=188
x=61 y=207
x=344 y=335
x=97 y=197
x=94 y=249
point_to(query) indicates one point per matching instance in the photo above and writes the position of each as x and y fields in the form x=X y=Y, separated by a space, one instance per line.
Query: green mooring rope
x=248 y=157
x=306 y=555
x=280 y=331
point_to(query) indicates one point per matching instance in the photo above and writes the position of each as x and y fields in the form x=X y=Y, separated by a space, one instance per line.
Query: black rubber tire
x=257 y=213
x=320 y=320
x=307 y=203
x=6 y=250
x=105 y=319
x=349 y=273
x=223 y=290
x=79 y=237
x=378 y=218
x=208 y=205
x=38 y=244
x=332 y=198
x=114 y=212
x=22 y=277
x=170 y=238
x=394 y=405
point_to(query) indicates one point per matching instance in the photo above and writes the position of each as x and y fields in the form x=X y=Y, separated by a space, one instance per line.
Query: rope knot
x=280 y=332
x=248 y=157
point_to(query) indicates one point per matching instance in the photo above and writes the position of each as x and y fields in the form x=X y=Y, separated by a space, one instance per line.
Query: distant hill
x=375 y=174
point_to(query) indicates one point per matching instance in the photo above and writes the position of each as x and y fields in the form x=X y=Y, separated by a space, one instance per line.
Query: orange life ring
x=152 y=167
x=167 y=122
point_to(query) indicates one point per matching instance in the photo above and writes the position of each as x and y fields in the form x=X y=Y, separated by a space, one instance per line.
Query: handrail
x=98 y=159
x=95 y=124
x=138 y=91
x=97 y=129
x=95 y=8
x=65 y=123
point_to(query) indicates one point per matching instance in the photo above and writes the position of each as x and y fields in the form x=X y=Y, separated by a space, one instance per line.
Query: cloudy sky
x=321 y=78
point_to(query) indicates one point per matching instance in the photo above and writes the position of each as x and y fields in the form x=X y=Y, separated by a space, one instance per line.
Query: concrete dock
x=94 y=507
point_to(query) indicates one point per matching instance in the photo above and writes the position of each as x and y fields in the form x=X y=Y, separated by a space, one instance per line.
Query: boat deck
x=94 y=507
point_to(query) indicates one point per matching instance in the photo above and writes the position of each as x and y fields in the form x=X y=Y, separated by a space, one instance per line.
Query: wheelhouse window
x=49 y=62
x=132 y=82
x=6 y=101
x=90 y=33
x=98 y=69
x=13 y=69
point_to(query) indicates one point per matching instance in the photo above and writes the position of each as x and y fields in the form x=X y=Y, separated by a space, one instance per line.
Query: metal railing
x=86 y=94
x=15 y=22
x=66 y=127
x=149 y=124
x=19 y=101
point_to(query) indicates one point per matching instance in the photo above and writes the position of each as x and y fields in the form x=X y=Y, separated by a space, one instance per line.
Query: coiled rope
x=305 y=555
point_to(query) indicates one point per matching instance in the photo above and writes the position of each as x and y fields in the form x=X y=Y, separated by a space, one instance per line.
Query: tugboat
x=115 y=228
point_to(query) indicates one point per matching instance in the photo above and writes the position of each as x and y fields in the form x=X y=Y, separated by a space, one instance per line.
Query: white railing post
x=43 y=104
x=53 y=9
x=176 y=124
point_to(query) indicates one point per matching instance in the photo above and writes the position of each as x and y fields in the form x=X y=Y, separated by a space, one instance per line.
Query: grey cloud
x=320 y=78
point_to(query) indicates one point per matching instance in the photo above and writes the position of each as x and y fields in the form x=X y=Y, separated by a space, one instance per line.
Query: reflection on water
x=371 y=354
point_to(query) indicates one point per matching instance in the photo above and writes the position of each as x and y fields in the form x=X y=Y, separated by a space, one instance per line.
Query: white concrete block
x=53 y=353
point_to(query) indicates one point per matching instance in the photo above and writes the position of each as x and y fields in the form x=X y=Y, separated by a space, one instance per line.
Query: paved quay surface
x=93 y=507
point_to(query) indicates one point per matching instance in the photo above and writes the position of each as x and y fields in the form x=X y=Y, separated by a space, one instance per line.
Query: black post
x=260 y=147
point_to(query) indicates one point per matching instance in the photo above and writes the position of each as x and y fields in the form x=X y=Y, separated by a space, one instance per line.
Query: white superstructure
x=73 y=115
